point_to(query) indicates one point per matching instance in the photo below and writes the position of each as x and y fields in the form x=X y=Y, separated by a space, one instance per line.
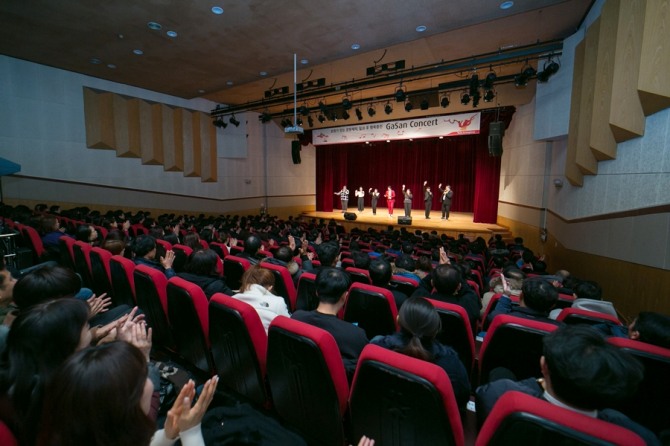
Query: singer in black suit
x=445 y=199
x=374 y=196
x=427 y=199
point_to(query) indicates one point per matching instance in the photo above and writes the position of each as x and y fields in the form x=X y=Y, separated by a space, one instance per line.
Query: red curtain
x=461 y=161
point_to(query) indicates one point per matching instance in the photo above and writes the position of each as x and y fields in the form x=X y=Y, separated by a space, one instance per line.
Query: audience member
x=256 y=290
x=537 y=299
x=419 y=325
x=405 y=266
x=144 y=248
x=588 y=296
x=201 y=270
x=380 y=275
x=252 y=245
x=7 y=282
x=514 y=279
x=87 y=234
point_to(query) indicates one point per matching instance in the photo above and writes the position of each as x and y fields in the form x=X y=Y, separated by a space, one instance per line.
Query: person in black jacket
x=201 y=270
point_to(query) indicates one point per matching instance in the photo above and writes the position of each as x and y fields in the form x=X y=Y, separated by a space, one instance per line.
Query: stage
x=458 y=223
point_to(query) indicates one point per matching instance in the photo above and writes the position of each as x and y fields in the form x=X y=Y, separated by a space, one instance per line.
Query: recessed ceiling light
x=95 y=61
x=155 y=26
x=171 y=33
x=421 y=28
x=217 y=10
x=304 y=61
x=120 y=36
x=441 y=137
x=263 y=73
x=355 y=46
x=201 y=91
x=229 y=82
x=111 y=65
x=506 y=5
x=138 y=52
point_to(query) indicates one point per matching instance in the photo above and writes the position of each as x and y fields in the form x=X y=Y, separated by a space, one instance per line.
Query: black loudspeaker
x=496 y=132
x=404 y=220
x=350 y=216
x=295 y=152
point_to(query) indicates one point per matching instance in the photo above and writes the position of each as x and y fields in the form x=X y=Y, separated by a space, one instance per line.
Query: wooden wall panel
x=99 y=119
x=177 y=128
x=122 y=128
x=653 y=86
x=134 y=128
x=572 y=172
x=626 y=116
x=602 y=140
x=208 y=132
x=168 y=136
x=151 y=149
x=585 y=159
x=196 y=145
x=188 y=137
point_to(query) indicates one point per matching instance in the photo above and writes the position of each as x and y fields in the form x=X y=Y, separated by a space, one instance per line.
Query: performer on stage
x=390 y=199
x=427 y=198
x=373 y=201
x=344 y=197
x=360 y=193
x=445 y=199
x=407 y=201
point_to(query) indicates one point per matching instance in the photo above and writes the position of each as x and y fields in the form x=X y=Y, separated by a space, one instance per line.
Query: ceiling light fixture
x=171 y=34
x=345 y=115
x=444 y=101
x=263 y=73
x=359 y=114
x=217 y=10
x=304 y=110
x=346 y=103
x=356 y=46
x=310 y=121
x=95 y=61
x=219 y=123
x=465 y=98
x=371 y=111
x=489 y=96
x=234 y=121
x=154 y=26
x=506 y=5
x=490 y=79
x=409 y=106
x=388 y=108
x=138 y=52
x=424 y=104
x=321 y=118
x=421 y=28
x=304 y=61
x=551 y=67
x=400 y=94
x=265 y=117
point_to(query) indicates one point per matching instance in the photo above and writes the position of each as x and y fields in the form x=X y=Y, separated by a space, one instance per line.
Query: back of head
x=407 y=248
x=420 y=323
x=446 y=279
x=405 y=262
x=331 y=283
x=585 y=371
x=539 y=295
x=49 y=224
x=653 y=328
x=328 y=253
x=284 y=254
x=252 y=244
x=588 y=289
x=116 y=247
x=83 y=233
x=424 y=264
x=361 y=259
x=101 y=388
x=380 y=272
x=143 y=245
x=256 y=275
x=192 y=240
x=202 y=262
x=45 y=283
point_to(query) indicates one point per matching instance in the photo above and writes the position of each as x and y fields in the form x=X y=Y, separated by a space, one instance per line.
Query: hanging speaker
x=295 y=152
x=496 y=131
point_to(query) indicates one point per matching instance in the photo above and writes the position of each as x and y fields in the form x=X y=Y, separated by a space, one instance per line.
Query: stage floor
x=458 y=223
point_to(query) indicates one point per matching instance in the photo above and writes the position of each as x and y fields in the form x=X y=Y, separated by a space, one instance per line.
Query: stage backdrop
x=461 y=161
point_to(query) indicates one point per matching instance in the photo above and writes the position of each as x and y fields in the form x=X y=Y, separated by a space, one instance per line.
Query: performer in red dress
x=390 y=199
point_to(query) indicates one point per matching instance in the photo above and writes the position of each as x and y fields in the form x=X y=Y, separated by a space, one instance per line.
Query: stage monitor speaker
x=350 y=216
x=295 y=151
x=496 y=132
x=404 y=220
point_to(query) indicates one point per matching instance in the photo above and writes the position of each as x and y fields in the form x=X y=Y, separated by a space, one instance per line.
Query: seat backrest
x=514 y=343
x=220 y=248
x=239 y=346
x=456 y=331
x=151 y=294
x=403 y=284
x=32 y=237
x=372 y=308
x=359 y=275
x=121 y=270
x=565 y=300
x=307 y=380
x=580 y=316
x=189 y=317
x=492 y=306
x=7 y=437
x=518 y=418
x=283 y=284
x=82 y=262
x=67 y=251
x=397 y=399
x=649 y=406
x=100 y=272
x=181 y=255
x=306 y=298
x=167 y=246
x=234 y=267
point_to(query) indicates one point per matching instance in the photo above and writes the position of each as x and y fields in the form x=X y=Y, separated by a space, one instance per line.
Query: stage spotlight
x=219 y=123
x=304 y=110
x=474 y=84
x=234 y=121
x=489 y=96
x=409 y=106
x=333 y=116
x=299 y=121
x=400 y=94
x=489 y=80
x=371 y=111
x=345 y=115
x=285 y=122
x=323 y=107
x=550 y=68
x=444 y=102
x=265 y=117
x=346 y=103
x=388 y=109
x=321 y=118
x=475 y=98
x=310 y=121
x=359 y=114
x=465 y=98
x=424 y=104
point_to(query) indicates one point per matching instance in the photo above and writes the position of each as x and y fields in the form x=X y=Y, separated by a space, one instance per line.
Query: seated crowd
x=64 y=347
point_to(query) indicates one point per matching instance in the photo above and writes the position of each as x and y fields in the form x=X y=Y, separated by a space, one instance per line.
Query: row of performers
x=446 y=195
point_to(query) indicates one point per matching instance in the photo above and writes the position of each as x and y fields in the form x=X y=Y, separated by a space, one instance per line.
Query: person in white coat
x=256 y=290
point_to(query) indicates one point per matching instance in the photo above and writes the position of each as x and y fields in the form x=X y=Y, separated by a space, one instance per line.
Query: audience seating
x=579 y=316
x=521 y=419
x=123 y=281
x=188 y=315
x=82 y=262
x=307 y=380
x=399 y=400
x=167 y=246
x=650 y=406
x=239 y=347
x=181 y=255
x=456 y=332
x=100 y=272
x=403 y=284
x=7 y=438
x=514 y=343
x=220 y=248
x=234 y=267
x=151 y=293
x=359 y=275
x=491 y=306
x=372 y=308
x=32 y=238
x=283 y=284
x=565 y=300
x=67 y=251
x=306 y=298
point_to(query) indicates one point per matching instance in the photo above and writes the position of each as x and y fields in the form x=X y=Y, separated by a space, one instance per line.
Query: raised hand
x=168 y=260
x=181 y=417
x=98 y=304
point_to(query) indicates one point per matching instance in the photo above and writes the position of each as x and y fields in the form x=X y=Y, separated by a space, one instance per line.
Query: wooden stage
x=458 y=223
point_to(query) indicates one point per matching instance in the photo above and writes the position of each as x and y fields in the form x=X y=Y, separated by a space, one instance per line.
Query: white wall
x=42 y=128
